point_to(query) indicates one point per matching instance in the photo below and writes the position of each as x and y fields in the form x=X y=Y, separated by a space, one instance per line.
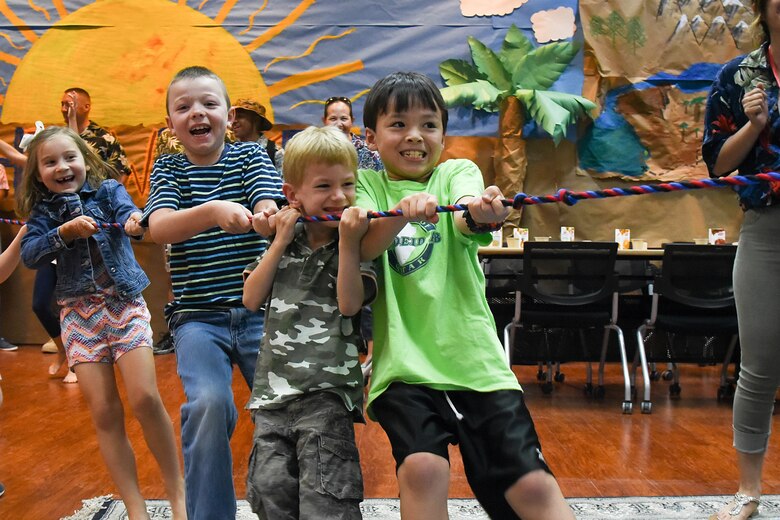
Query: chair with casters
x=693 y=298
x=573 y=285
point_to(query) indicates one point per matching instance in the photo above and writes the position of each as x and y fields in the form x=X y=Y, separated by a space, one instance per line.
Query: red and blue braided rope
x=565 y=196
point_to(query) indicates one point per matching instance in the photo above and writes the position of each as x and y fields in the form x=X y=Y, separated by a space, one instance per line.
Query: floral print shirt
x=107 y=147
x=367 y=159
x=724 y=116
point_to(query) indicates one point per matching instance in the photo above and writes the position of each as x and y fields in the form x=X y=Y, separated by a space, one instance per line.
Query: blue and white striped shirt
x=206 y=270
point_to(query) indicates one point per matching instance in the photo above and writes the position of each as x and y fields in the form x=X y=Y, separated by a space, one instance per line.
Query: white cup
x=639 y=244
x=541 y=239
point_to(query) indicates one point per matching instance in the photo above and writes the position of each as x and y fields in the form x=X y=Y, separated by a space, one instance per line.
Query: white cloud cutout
x=555 y=24
x=489 y=7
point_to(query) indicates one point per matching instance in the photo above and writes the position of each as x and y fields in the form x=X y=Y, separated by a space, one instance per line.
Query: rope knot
x=566 y=197
x=517 y=201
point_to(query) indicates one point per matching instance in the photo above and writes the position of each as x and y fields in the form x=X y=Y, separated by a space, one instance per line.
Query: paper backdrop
x=289 y=55
x=653 y=64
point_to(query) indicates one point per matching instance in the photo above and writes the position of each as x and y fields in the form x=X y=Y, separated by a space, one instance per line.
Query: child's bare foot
x=56 y=368
x=70 y=377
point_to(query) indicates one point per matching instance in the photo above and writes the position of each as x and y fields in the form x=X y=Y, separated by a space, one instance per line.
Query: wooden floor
x=49 y=460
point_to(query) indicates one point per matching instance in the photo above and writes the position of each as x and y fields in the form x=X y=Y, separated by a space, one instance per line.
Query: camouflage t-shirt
x=107 y=147
x=308 y=345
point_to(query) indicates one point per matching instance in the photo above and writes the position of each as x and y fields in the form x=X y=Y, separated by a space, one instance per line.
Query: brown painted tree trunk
x=509 y=160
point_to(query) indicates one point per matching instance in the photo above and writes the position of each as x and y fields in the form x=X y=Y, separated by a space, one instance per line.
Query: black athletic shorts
x=498 y=442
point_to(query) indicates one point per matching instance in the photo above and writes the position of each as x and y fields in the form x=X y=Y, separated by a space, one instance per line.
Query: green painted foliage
x=514 y=48
x=541 y=68
x=458 y=72
x=480 y=94
x=488 y=64
x=554 y=111
x=520 y=70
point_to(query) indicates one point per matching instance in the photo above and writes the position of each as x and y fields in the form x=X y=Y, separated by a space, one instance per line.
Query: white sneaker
x=49 y=347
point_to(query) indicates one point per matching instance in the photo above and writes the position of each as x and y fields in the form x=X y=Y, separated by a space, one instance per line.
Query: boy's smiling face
x=409 y=143
x=325 y=188
x=198 y=116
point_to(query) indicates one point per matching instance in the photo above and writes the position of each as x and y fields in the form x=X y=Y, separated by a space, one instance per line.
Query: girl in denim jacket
x=68 y=196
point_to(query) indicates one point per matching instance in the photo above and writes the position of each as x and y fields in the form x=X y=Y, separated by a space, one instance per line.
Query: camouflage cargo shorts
x=304 y=461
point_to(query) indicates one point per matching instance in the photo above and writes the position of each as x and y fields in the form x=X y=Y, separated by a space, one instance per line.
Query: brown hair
x=195 y=72
x=759 y=27
x=32 y=190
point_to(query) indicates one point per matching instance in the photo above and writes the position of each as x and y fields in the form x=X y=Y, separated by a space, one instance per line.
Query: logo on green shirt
x=412 y=247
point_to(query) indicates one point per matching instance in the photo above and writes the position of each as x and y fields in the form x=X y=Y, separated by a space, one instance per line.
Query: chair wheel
x=559 y=377
x=654 y=375
x=674 y=390
x=646 y=407
x=588 y=389
x=668 y=375
x=628 y=407
x=541 y=376
x=599 y=392
x=547 y=388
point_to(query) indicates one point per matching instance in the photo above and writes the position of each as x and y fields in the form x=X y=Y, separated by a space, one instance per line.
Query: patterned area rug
x=628 y=508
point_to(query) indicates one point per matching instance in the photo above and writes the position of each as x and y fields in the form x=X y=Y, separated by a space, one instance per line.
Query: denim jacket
x=75 y=275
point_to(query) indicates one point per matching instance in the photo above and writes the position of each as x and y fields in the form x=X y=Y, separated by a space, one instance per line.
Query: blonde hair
x=32 y=190
x=317 y=145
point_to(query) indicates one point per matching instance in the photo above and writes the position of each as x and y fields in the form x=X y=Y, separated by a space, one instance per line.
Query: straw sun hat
x=257 y=108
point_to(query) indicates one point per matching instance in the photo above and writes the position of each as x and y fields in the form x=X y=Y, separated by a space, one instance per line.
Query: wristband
x=474 y=227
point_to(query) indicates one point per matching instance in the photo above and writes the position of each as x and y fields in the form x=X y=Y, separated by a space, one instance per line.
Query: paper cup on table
x=567 y=234
x=623 y=238
x=522 y=234
x=514 y=243
x=717 y=236
x=639 y=244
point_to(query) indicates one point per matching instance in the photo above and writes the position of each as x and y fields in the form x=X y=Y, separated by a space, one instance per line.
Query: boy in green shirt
x=439 y=372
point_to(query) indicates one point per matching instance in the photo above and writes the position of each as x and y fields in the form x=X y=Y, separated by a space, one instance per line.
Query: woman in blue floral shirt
x=743 y=133
x=338 y=113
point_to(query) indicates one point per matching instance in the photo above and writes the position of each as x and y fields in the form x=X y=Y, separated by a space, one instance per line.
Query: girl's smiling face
x=61 y=165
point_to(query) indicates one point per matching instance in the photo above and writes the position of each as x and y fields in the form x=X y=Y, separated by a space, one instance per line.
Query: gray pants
x=757 y=291
x=304 y=462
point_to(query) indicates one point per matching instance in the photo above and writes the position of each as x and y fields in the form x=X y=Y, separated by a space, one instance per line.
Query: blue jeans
x=207 y=345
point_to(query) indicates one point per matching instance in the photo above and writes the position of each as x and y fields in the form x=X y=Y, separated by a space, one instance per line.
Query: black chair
x=694 y=297
x=573 y=285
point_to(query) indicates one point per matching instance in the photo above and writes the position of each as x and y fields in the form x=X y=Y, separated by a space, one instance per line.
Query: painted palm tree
x=515 y=82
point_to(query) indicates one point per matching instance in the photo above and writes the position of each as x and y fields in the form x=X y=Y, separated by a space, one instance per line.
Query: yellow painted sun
x=124 y=52
x=148 y=41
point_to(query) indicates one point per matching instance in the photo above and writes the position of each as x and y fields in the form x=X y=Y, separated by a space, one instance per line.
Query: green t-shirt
x=432 y=323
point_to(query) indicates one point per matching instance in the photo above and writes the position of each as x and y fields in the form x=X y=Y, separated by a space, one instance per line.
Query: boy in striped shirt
x=202 y=202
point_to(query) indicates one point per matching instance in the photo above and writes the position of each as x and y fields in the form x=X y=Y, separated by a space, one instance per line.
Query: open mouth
x=200 y=130
x=66 y=180
x=414 y=154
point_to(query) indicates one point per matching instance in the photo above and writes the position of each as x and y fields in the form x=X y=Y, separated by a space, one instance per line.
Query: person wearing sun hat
x=249 y=124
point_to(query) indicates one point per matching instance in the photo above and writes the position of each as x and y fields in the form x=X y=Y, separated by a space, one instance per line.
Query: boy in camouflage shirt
x=308 y=386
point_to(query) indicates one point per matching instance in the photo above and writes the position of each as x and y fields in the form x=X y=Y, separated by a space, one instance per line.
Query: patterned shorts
x=101 y=328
